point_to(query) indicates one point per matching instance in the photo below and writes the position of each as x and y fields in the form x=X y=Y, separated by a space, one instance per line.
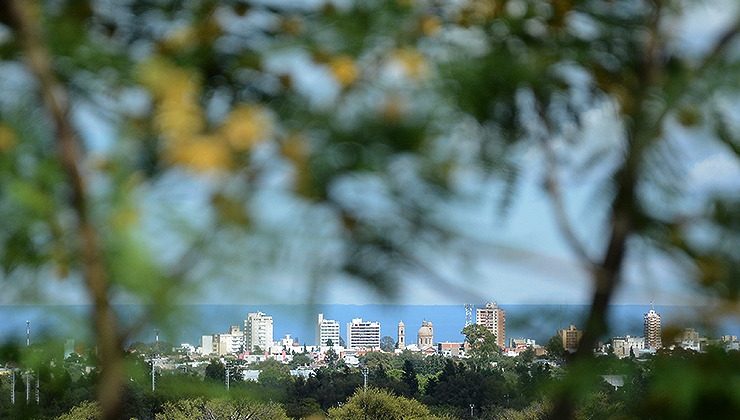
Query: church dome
x=426 y=329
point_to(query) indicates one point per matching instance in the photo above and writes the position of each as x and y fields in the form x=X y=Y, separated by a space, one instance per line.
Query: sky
x=519 y=257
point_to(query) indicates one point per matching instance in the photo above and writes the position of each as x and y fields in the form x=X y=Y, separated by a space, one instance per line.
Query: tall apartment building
x=257 y=331
x=327 y=329
x=652 y=330
x=494 y=319
x=570 y=337
x=363 y=334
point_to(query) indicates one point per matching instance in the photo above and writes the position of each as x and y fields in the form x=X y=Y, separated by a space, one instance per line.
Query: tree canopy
x=378 y=404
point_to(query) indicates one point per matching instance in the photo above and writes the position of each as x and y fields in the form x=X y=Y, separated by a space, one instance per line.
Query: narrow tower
x=468 y=314
x=401 y=335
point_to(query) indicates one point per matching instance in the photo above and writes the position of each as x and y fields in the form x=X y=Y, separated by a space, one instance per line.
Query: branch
x=720 y=46
x=56 y=101
x=554 y=192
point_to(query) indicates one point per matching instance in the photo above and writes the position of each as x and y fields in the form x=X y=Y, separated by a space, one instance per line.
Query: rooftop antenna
x=28 y=333
x=652 y=305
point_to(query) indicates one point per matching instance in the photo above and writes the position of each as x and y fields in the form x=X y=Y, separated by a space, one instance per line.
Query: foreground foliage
x=113 y=111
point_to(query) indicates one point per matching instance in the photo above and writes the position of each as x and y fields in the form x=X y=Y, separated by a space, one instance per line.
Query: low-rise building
x=690 y=340
x=627 y=346
x=451 y=349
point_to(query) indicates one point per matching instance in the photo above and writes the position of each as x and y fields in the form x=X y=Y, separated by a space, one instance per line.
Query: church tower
x=401 y=336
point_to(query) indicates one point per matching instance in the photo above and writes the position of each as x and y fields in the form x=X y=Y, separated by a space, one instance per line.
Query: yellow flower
x=412 y=62
x=178 y=121
x=124 y=218
x=177 y=113
x=430 y=25
x=291 y=25
x=295 y=148
x=8 y=139
x=344 y=70
x=180 y=39
x=203 y=153
x=246 y=126
x=394 y=109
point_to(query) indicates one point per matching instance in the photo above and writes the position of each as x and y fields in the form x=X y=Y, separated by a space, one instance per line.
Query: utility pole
x=227 y=372
x=28 y=387
x=28 y=374
x=153 y=374
x=154 y=358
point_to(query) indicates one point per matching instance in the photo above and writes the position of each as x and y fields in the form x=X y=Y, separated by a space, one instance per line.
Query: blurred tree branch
x=627 y=215
x=56 y=101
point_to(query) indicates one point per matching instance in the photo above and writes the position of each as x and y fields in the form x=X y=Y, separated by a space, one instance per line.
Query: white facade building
x=230 y=343
x=363 y=334
x=257 y=331
x=327 y=329
x=623 y=345
x=206 y=345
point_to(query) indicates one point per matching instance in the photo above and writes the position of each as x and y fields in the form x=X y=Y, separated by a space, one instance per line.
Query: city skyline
x=300 y=320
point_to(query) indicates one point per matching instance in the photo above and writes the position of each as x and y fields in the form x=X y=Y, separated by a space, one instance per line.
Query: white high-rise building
x=494 y=319
x=327 y=329
x=257 y=331
x=206 y=345
x=363 y=334
x=652 y=330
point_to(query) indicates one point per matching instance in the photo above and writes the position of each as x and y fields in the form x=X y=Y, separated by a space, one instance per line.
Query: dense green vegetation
x=406 y=385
